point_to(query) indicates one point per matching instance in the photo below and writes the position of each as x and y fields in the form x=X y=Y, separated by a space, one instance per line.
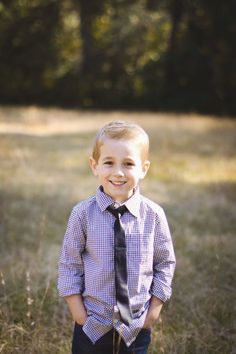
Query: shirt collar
x=132 y=204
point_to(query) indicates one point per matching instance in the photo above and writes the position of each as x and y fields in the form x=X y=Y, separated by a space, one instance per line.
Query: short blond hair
x=122 y=130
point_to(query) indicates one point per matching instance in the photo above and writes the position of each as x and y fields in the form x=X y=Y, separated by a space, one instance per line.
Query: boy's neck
x=117 y=201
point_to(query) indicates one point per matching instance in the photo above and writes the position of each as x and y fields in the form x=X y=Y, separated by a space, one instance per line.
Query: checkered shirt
x=86 y=264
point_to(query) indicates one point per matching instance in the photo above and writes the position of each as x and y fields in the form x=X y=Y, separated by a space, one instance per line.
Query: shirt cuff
x=66 y=287
x=161 y=291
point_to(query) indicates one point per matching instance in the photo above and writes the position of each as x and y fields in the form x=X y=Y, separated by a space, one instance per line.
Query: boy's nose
x=118 y=172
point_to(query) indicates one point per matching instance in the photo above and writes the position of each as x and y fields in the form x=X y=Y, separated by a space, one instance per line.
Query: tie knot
x=116 y=211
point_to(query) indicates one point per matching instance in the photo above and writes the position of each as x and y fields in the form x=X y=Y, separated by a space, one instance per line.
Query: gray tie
x=121 y=277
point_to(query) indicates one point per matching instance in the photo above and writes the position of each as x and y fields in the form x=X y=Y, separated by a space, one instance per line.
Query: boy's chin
x=120 y=197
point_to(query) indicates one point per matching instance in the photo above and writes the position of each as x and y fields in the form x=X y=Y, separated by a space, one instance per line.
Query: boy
x=116 y=295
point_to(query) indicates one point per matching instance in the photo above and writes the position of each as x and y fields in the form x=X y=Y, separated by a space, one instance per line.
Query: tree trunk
x=176 y=10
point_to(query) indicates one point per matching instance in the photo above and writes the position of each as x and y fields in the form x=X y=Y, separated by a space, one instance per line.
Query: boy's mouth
x=117 y=183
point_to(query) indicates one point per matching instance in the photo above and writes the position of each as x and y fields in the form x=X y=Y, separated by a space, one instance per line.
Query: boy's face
x=119 y=168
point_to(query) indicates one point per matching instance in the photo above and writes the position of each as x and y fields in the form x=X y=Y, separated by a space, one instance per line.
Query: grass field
x=44 y=172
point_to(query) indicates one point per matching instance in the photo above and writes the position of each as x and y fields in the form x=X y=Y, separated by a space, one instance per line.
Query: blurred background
x=134 y=54
x=68 y=67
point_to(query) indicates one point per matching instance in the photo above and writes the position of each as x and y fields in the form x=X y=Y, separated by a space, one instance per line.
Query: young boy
x=115 y=296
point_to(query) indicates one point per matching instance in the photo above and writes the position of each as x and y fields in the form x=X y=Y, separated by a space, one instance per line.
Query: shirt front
x=86 y=264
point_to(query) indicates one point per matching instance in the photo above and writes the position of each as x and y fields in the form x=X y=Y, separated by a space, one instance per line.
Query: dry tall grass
x=44 y=172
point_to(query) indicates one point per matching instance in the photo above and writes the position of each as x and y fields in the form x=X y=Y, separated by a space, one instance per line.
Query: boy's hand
x=81 y=319
x=77 y=309
x=153 y=312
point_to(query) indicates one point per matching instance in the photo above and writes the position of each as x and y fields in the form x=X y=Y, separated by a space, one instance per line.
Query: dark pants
x=81 y=344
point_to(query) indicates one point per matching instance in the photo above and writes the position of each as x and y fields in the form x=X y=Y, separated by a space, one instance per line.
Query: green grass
x=44 y=172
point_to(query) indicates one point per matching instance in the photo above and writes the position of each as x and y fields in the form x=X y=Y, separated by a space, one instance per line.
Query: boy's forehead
x=115 y=143
x=129 y=147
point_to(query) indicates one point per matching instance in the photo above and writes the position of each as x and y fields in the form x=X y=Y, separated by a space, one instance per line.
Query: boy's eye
x=108 y=163
x=129 y=164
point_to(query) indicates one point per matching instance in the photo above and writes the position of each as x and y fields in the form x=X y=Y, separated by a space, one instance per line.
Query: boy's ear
x=93 y=165
x=145 y=168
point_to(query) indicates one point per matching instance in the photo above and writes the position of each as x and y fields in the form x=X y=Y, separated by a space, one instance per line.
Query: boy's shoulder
x=149 y=204
x=85 y=204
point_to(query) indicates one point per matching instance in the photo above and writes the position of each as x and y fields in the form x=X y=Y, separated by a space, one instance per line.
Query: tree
x=27 y=51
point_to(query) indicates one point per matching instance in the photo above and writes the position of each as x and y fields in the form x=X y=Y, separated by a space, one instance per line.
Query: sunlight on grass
x=44 y=172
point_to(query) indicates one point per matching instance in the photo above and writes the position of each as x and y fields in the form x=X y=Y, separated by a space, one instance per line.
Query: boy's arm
x=71 y=265
x=163 y=270
x=163 y=260
x=77 y=309
x=153 y=312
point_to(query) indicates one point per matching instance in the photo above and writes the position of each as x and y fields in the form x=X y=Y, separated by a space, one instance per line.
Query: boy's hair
x=121 y=130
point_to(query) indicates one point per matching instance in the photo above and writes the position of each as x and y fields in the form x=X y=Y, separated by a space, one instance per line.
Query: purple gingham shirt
x=86 y=264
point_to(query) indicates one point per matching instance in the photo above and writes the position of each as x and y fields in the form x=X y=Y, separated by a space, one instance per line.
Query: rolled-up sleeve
x=71 y=267
x=164 y=260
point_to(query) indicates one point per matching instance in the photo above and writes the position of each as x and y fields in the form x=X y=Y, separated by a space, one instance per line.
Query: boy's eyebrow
x=107 y=158
x=111 y=157
x=129 y=158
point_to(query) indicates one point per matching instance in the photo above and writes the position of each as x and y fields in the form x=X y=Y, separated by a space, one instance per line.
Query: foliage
x=170 y=54
x=27 y=53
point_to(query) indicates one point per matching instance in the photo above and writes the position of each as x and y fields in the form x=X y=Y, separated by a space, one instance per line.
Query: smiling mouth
x=121 y=183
